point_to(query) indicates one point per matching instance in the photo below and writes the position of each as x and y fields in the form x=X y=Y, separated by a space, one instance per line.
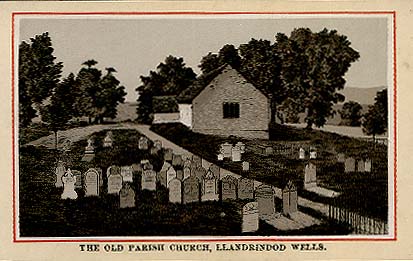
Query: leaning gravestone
x=92 y=183
x=148 y=180
x=176 y=160
x=367 y=165
x=69 y=180
x=250 y=217
x=229 y=188
x=360 y=165
x=60 y=171
x=245 y=188
x=127 y=197
x=79 y=178
x=127 y=173
x=209 y=187
x=114 y=183
x=143 y=143
x=170 y=175
x=175 y=187
x=310 y=176
x=289 y=196
x=350 y=165
x=168 y=154
x=191 y=190
x=236 y=154
x=265 y=198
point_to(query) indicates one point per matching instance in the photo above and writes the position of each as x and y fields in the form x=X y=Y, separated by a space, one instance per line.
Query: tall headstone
x=310 y=176
x=170 y=175
x=209 y=187
x=79 y=178
x=60 y=171
x=264 y=195
x=187 y=172
x=175 y=187
x=127 y=197
x=250 y=217
x=176 y=160
x=190 y=190
x=349 y=165
x=68 y=181
x=289 y=196
x=92 y=183
x=108 y=140
x=127 y=173
x=229 y=187
x=367 y=165
x=114 y=183
x=226 y=150
x=148 y=181
x=236 y=154
x=245 y=188
x=143 y=143
x=168 y=155
x=301 y=154
x=161 y=175
x=360 y=165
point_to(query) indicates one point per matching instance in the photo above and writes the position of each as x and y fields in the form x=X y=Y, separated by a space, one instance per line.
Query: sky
x=135 y=45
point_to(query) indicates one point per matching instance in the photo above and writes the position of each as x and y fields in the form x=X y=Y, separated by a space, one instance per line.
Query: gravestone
x=245 y=188
x=205 y=164
x=127 y=197
x=209 y=187
x=157 y=144
x=236 y=154
x=79 y=178
x=161 y=175
x=341 y=158
x=196 y=161
x=176 y=160
x=215 y=170
x=226 y=150
x=187 y=172
x=69 y=181
x=241 y=145
x=170 y=175
x=60 y=171
x=199 y=173
x=190 y=190
x=175 y=187
x=114 y=183
x=350 y=165
x=269 y=150
x=89 y=151
x=229 y=187
x=360 y=165
x=108 y=140
x=143 y=143
x=168 y=154
x=301 y=154
x=127 y=173
x=187 y=163
x=115 y=170
x=154 y=150
x=137 y=167
x=313 y=154
x=146 y=165
x=264 y=196
x=148 y=180
x=180 y=174
x=367 y=165
x=289 y=196
x=220 y=157
x=310 y=176
x=100 y=171
x=245 y=166
x=92 y=183
x=250 y=217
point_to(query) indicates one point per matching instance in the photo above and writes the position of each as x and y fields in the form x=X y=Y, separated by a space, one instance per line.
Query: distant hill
x=126 y=111
x=361 y=95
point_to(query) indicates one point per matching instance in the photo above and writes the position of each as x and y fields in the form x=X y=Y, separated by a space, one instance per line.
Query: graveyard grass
x=364 y=193
x=43 y=213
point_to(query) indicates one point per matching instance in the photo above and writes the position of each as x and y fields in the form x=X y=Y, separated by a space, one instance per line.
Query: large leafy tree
x=170 y=78
x=228 y=54
x=375 y=120
x=351 y=114
x=39 y=74
x=313 y=69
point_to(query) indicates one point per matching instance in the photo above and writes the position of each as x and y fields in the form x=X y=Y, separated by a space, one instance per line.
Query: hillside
x=361 y=95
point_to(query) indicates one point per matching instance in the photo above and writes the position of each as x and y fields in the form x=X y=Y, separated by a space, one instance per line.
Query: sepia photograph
x=211 y=125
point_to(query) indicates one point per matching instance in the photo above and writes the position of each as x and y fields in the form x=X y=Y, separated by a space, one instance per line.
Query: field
x=43 y=213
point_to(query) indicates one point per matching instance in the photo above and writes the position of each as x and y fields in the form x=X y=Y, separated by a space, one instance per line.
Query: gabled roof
x=203 y=81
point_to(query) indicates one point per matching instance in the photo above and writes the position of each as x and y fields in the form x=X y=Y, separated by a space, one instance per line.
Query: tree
x=38 y=75
x=375 y=120
x=170 y=78
x=351 y=114
x=59 y=111
x=228 y=54
x=313 y=69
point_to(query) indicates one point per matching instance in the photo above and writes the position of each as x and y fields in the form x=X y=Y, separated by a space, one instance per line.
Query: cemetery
x=132 y=186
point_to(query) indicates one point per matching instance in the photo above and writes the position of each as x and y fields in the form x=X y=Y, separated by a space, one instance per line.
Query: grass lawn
x=365 y=193
x=43 y=213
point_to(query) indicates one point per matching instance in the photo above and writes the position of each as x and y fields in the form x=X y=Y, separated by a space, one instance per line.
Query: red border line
x=220 y=239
